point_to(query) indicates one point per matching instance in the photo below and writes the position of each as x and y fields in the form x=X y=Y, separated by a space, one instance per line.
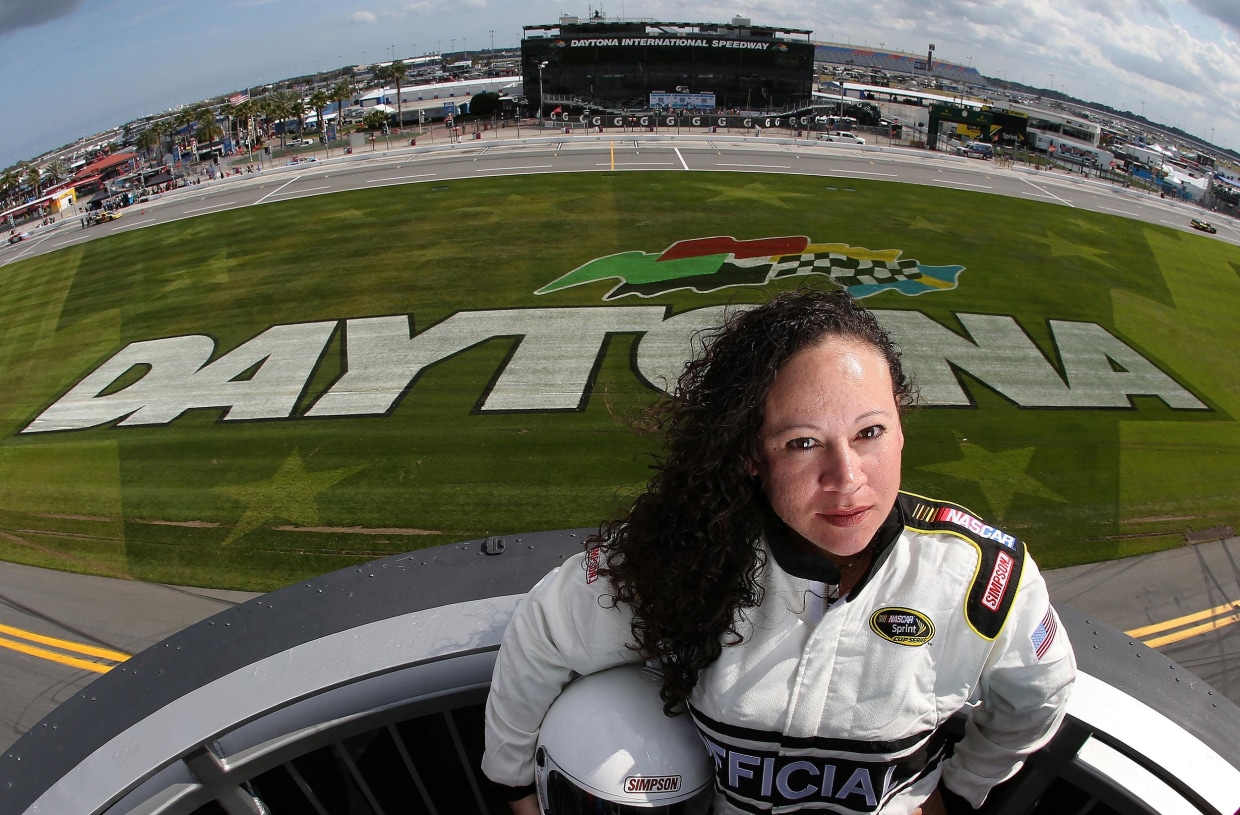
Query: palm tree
x=279 y=107
x=208 y=129
x=229 y=111
x=182 y=121
x=161 y=129
x=319 y=100
x=394 y=72
x=9 y=182
x=148 y=140
x=57 y=170
x=341 y=92
x=33 y=179
x=245 y=112
x=293 y=105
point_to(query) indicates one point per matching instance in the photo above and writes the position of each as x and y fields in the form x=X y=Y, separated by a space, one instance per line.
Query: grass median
x=255 y=504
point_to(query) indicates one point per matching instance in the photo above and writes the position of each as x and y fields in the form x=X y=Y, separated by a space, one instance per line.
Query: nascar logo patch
x=903 y=626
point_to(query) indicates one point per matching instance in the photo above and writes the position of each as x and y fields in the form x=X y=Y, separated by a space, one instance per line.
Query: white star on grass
x=287 y=495
x=999 y=475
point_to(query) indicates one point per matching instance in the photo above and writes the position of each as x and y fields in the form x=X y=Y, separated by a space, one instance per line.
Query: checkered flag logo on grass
x=709 y=264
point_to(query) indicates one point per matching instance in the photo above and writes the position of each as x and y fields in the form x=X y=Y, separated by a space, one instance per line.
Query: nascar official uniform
x=832 y=705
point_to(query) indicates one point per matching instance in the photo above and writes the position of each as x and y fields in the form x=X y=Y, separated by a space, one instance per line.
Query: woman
x=819 y=625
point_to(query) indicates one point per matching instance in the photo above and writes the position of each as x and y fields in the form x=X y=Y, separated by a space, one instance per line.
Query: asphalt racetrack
x=60 y=630
x=367 y=170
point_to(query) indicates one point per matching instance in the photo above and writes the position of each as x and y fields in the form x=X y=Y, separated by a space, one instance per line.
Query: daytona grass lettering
x=552 y=365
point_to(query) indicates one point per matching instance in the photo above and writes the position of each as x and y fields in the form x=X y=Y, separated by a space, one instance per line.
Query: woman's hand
x=529 y=805
x=931 y=806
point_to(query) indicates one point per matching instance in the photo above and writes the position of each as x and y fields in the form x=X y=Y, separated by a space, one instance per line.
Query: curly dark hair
x=686 y=556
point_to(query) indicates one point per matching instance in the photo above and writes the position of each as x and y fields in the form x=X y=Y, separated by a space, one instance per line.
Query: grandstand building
x=897 y=62
x=622 y=65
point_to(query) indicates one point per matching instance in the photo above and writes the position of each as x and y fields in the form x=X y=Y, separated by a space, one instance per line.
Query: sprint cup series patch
x=903 y=626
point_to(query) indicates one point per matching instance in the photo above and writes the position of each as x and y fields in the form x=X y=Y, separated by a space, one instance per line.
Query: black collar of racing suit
x=808 y=566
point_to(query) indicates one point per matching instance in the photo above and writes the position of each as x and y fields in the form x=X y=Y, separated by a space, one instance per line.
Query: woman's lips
x=845 y=517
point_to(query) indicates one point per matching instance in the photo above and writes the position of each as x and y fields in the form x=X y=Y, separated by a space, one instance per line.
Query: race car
x=1204 y=226
x=18 y=237
x=109 y=215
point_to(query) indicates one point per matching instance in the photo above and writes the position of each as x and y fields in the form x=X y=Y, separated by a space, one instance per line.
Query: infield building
x=625 y=65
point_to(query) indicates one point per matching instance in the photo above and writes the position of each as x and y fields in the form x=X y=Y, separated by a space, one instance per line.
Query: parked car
x=842 y=136
x=1204 y=226
x=979 y=149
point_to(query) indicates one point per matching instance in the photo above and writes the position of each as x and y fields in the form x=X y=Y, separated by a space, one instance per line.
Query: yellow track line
x=66 y=645
x=1167 y=625
x=43 y=653
x=1221 y=622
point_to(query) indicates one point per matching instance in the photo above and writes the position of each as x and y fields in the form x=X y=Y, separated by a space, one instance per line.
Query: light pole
x=1052 y=76
x=541 y=65
x=492 y=32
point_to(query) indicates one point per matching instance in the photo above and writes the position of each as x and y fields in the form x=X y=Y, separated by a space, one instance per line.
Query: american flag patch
x=1044 y=634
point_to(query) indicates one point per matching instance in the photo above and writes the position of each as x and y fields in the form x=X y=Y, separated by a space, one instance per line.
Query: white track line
x=961 y=184
x=276 y=190
x=212 y=206
x=1049 y=193
x=861 y=172
x=398 y=178
x=297 y=192
x=1120 y=212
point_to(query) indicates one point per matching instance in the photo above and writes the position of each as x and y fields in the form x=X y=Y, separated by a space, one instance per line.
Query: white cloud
x=363 y=16
x=1226 y=12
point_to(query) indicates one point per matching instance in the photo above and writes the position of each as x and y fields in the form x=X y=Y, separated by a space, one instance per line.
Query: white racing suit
x=829 y=706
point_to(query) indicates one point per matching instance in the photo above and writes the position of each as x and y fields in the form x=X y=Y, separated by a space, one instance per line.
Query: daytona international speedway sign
x=559 y=348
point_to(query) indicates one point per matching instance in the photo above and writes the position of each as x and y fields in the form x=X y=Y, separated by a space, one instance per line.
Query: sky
x=73 y=68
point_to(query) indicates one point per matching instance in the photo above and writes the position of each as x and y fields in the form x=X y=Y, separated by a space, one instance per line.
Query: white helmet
x=606 y=748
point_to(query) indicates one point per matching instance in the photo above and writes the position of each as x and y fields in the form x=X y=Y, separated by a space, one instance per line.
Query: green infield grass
x=195 y=498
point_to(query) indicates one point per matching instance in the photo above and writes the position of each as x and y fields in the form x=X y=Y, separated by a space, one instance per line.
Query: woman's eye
x=872 y=432
x=803 y=443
